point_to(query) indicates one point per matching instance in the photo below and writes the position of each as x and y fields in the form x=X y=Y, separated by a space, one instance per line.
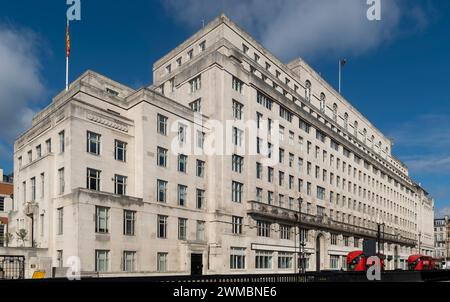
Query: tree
x=22 y=235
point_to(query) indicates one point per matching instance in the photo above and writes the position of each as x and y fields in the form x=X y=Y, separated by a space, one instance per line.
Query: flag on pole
x=67 y=40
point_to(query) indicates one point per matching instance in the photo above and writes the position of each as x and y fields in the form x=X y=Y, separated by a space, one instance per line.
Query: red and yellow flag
x=67 y=41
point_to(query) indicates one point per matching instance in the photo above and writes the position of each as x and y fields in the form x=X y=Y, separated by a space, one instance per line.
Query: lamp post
x=301 y=241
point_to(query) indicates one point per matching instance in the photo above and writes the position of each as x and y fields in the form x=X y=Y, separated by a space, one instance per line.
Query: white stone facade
x=218 y=220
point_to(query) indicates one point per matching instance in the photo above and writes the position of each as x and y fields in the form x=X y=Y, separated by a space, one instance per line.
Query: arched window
x=373 y=142
x=379 y=147
x=365 y=135
x=335 y=112
x=322 y=102
x=346 y=121
x=308 y=90
x=355 y=126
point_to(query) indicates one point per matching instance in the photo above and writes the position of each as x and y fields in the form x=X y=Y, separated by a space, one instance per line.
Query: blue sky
x=397 y=73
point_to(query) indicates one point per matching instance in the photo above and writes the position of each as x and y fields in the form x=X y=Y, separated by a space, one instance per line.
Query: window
x=285 y=260
x=285 y=232
x=264 y=100
x=120 y=185
x=162 y=262
x=101 y=261
x=129 y=219
x=237 y=189
x=259 y=193
x=237 y=163
x=162 y=157
x=182 y=228
x=195 y=84
x=93 y=143
x=102 y=220
x=259 y=170
x=245 y=48
x=182 y=132
x=60 y=217
x=346 y=241
x=179 y=61
x=200 y=139
x=200 y=198
x=59 y=259
x=334 y=262
x=162 y=125
x=286 y=114
x=270 y=197
x=2 y=204
x=182 y=163
x=263 y=228
x=93 y=179
x=190 y=54
x=162 y=226
x=200 y=231
x=237 y=85
x=308 y=91
x=237 y=225
x=30 y=156
x=120 y=152
x=61 y=142
x=237 y=110
x=200 y=168
x=39 y=151
x=256 y=58
x=33 y=189
x=335 y=112
x=129 y=259
x=237 y=258
x=322 y=102
x=304 y=125
x=334 y=239
x=263 y=260
x=320 y=193
x=169 y=68
x=48 y=144
x=196 y=105
x=61 y=181
x=237 y=136
x=162 y=191
x=270 y=174
x=182 y=195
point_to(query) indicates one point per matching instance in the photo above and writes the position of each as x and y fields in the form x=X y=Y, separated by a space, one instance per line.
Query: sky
x=397 y=73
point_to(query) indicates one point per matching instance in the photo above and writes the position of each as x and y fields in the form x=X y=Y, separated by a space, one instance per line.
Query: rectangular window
x=48 y=144
x=182 y=195
x=196 y=105
x=60 y=217
x=237 y=190
x=39 y=151
x=33 y=189
x=101 y=261
x=237 y=258
x=285 y=232
x=259 y=171
x=93 y=179
x=129 y=220
x=162 y=125
x=102 y=220
x=42 y=185
x=162 y=157
x=334 y=262
x=237 y=85
x=182 y=133
x=285 y=260
x=237 y=110
x=182 y=163
x=129 y=259
x=263 y=260
x=120 y=151
x=286 y=114
x=61 y=181
x=264 y=100
x=200 y=199
x=263 y=228
x=120 y=185
x=195 y=84
x=59 y=259
x=259 y=193
x=237 y=225
x=162 y=191
x=200 y=231
x=61 y=142
x=162 y=262
x=182 y=228
x=237 y=163
x=162 y=226
x=200 y=168
x=93 y=143
x=237 y=136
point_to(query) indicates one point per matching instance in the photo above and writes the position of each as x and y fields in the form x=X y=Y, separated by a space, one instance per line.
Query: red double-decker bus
x=421 y=263
x=357 y=261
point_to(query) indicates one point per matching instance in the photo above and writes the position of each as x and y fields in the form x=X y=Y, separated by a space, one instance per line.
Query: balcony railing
x=275 y=213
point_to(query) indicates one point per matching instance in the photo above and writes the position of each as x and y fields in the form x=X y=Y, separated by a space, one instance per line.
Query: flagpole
x=67 y=59
x=340 y=63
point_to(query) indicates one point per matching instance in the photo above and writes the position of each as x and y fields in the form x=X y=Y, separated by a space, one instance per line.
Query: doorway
x=196 y=264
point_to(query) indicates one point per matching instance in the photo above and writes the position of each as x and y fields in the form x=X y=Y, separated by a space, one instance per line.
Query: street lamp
x=302 y=241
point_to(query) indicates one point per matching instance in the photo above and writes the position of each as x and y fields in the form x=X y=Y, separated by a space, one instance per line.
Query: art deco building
x=103 y=176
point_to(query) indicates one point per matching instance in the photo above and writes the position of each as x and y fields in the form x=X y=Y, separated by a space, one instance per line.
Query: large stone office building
x=117 y=176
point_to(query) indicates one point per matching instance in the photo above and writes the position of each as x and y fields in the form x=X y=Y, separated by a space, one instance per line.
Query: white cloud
x=442 y=212
x=20 y=81
x=306 y=28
